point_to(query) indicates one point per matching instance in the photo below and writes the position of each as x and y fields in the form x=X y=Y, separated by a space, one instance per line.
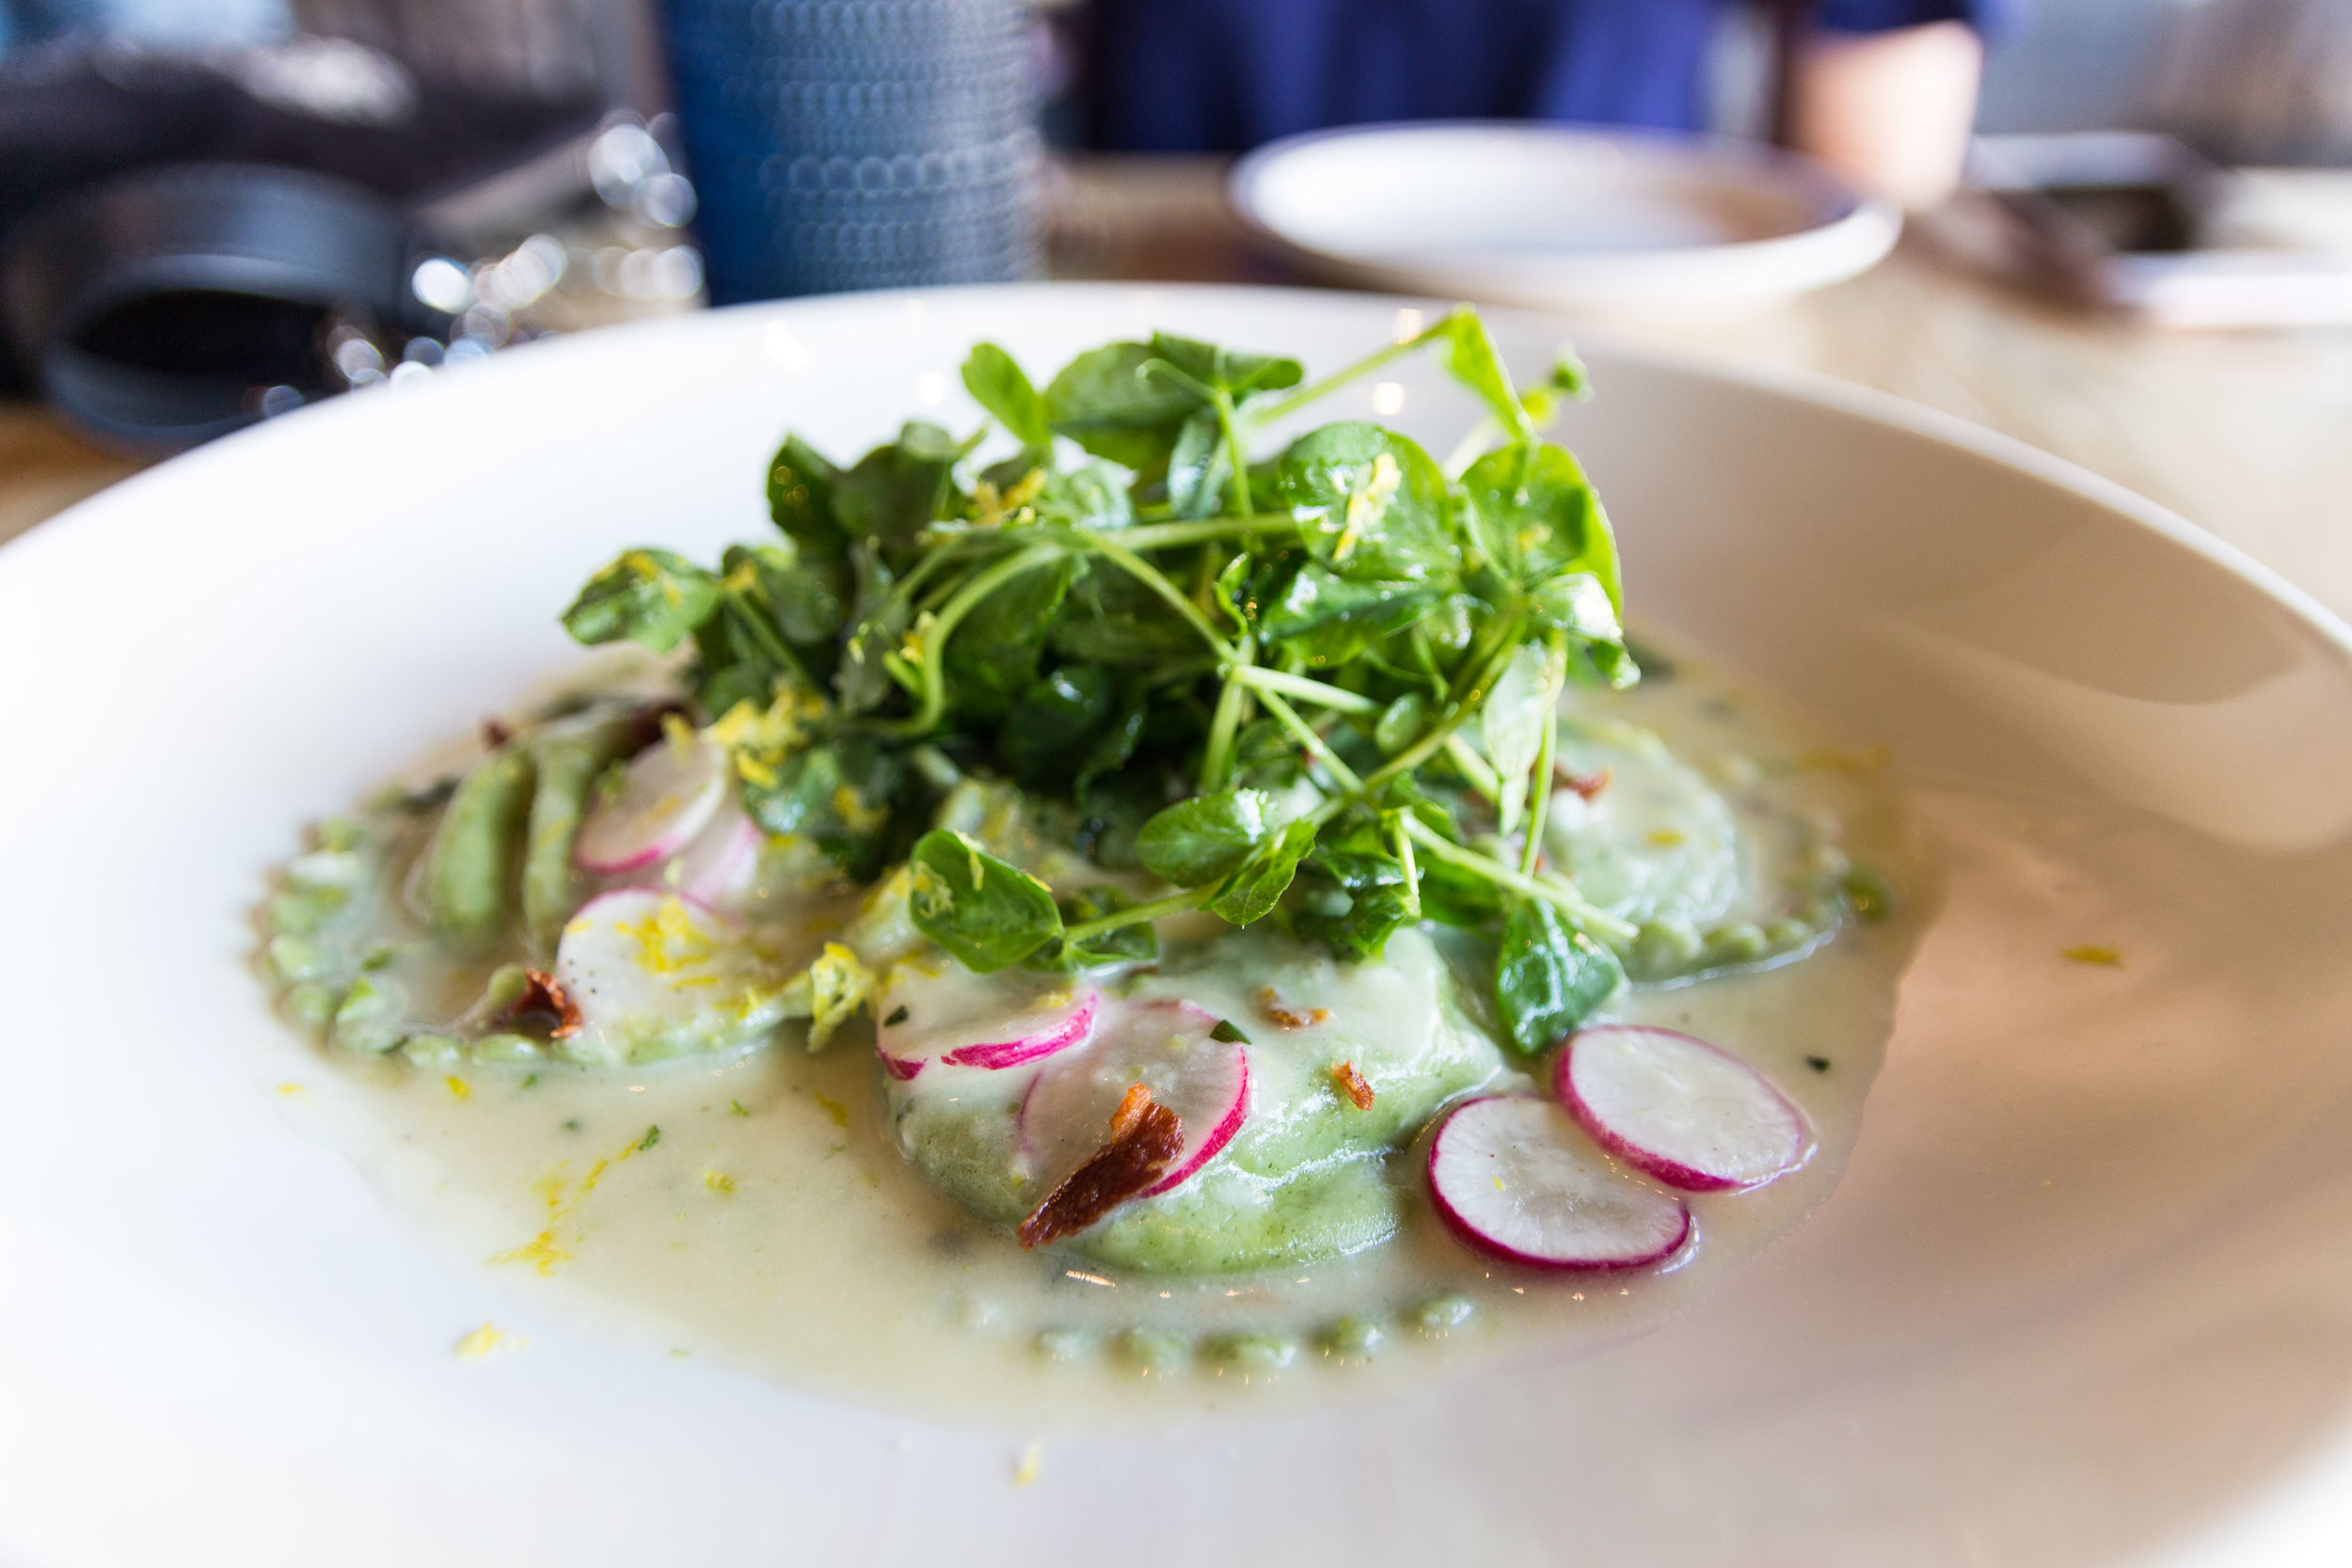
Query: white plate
x=1596 y=222
x=2083 y=1295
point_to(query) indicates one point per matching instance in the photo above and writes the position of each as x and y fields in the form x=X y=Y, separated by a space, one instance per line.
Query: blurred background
x=217 y=212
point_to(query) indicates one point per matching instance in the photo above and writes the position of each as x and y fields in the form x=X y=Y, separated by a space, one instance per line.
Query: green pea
x=432 y=1050
x=363 y=1021
x=1353 y=1338
x=341 y=832
x=1062 y=1344
x=1738 y=943
x=1440 y=1314
x=1867 y=895
x=314 y=1003
x=469 y=868
x=1255 y=1353
x=1663 y=947
x=302 y=912
x=291 y=959
x=506 y=1048
x=1155 y=1349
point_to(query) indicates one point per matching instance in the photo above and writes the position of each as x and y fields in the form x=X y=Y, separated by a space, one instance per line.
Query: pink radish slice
x=1691 y=1115
x=635 y=956
x=960 y=1019
x=1513 y=1178
x=669 y=793
x=1164 y=1046
x=723 y=862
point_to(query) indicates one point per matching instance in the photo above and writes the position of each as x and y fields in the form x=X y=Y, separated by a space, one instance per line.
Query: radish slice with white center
x=1513 y=1178
x=723 y=862
x=669 y=793
x=951 y=1016
x=653 y=975
x=1690 y=1114
x=1169 y=1048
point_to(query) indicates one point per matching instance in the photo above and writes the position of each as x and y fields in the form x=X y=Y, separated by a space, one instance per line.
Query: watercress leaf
x=1256 y=884
x=878 y=624
x=992 y=655
x=1205 y=839
x=1350 y=893
x=1539 y=515
x=1470 y=357
x=893 y=492
x=1266 y=756
x=1512 y=723
x=1371 y=505
x=1198 y=466
x=1453 y=896
x=800 y=482
x=805 y=602
x=647 y=596
x=1091 y=496
x=732 y=668
x=985 y=913
x=1234 y=372
x=1328 y=620
x=1102 y=401
x=1110 y=618
x=1578 y=603
x=1049 y=733
x=1549 y=977
x=841 y=795
x=997 y=384
x=1135 y=942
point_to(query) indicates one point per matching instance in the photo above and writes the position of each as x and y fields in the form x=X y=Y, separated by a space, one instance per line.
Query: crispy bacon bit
x=1586 y=785
x=495 y=734
x=543 y=1002
x=1351 y=1084
x=1270 y=1003
x=1144 y=1137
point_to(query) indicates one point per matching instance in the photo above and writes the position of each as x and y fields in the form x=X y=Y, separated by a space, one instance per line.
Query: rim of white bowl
x=1854 y=232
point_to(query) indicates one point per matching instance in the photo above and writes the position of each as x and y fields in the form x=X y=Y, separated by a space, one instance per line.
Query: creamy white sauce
x=772 y=1223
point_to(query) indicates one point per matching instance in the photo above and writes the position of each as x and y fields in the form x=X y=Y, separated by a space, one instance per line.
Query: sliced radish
x=1691 y=1115
x=654 y=975
x=1168 y=1047
x=1515 y=1179
x=668 y=794
x=949 y=1015
x=721 y=862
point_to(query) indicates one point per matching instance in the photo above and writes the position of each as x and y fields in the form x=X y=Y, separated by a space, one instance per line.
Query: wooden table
x=2249 y=435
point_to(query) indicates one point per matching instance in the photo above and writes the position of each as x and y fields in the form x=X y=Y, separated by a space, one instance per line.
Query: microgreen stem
x=1412 y=870
x=1539 y=803
x=1216 y=756
x=1160 y=536
x=1338 y=378
x=1465 y=703
x=1495 y=871
x=1341 y=774
x=1192 y=898
x=1474 y=767
x=1236 y=454
x=1306 y=689
x=925 y=719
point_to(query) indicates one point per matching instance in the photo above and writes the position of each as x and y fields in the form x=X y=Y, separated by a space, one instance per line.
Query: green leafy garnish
x=1312 y=683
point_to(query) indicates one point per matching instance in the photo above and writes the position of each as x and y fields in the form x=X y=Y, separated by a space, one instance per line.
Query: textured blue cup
x=858 y=143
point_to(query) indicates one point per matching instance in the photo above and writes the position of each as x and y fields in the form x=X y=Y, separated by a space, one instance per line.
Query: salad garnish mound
x=1197 y=806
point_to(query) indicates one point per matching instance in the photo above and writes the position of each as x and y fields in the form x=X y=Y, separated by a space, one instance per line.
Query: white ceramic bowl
x=1587 y=221
x=2083 y=1297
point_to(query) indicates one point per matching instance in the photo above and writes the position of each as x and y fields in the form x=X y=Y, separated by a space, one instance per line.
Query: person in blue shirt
x=1884 y=88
